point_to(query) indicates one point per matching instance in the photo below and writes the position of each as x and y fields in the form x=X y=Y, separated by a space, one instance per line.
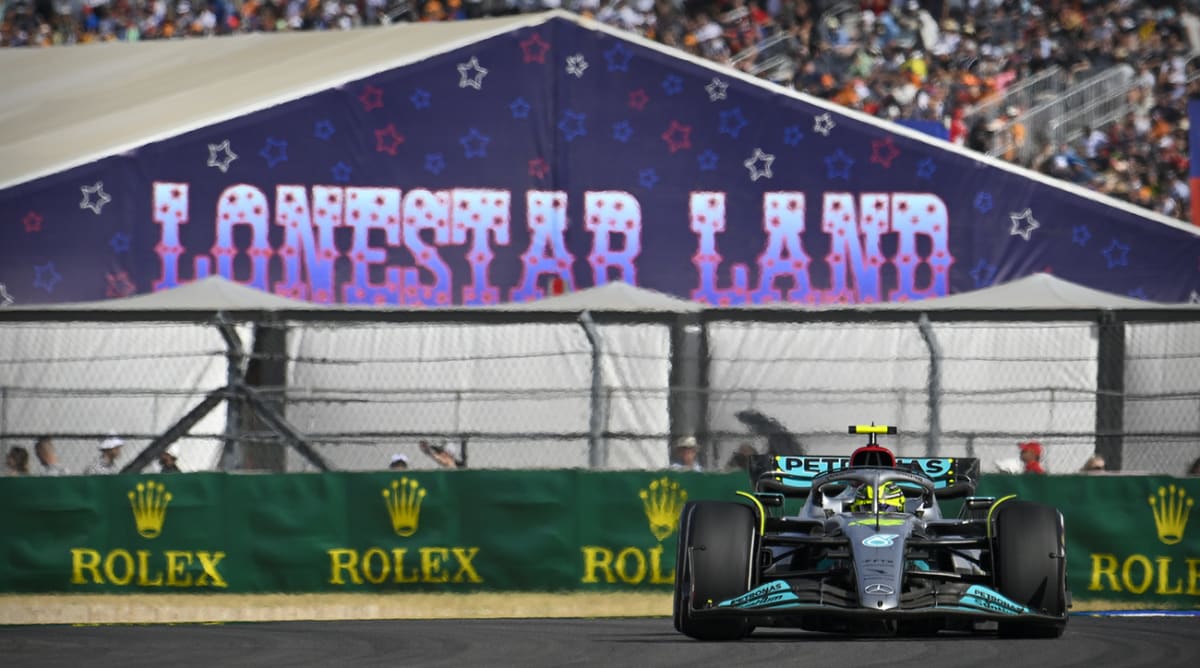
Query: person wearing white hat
x=399 y=463
x=685 y=455
x=110 y=450
x=168 y=459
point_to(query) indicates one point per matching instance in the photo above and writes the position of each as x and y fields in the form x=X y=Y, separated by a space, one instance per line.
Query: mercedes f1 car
x=869 y=551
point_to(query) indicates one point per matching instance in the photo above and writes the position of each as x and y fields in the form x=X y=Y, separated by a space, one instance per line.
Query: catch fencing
x=349 y=389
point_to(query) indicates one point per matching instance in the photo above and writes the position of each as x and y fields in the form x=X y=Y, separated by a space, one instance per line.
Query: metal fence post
x=596 y=454
x=935 y=385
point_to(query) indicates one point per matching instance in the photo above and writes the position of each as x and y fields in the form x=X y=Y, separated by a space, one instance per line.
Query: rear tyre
x=717 y=545
x=1029 y=558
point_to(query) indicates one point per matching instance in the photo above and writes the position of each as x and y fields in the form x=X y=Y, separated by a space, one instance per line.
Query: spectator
x=47 y=457
x=168 y=460
x=740 y=459
x=398 y=463
x=110 y=450
x=1031 y=456
x=1093 y=464
x=17 y=461
x=684 y=456
x=447 y=455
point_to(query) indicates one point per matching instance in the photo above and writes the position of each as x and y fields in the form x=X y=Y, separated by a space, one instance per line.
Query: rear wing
x=793 y=476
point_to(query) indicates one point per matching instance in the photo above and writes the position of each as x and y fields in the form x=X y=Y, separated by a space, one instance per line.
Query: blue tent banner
x=566 y=151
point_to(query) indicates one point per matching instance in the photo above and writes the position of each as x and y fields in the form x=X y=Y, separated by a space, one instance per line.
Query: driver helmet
x=891 y=498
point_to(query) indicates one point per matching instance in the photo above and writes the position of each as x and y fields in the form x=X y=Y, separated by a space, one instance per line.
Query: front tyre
x=1029 y=558
x=717 y=544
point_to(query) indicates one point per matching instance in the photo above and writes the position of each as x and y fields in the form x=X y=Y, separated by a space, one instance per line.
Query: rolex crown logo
x=662 y=502
x=403 y=503
x=1171 y=509
x=149 y=502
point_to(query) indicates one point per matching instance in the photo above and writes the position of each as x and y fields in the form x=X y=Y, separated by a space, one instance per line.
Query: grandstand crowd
x=946 y=61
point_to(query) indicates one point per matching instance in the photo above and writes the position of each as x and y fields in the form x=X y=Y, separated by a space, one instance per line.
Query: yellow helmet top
x=891 y=498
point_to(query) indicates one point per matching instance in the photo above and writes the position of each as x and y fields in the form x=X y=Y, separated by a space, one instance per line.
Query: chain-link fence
x=532 y=391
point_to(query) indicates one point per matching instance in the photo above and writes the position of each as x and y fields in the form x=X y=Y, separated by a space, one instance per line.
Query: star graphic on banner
x=823 y=124
x=716 y=89
x=732 y=122
x=1116 y=254
x=5 y=298
x=519 y=108
x=983 y=202
x=926 y=169
x=638 y=99
x=838 y=165
x=1194 y=298
x=435 y=163
x=707 y=160
x=672 y=84
x=1023 y=224
x=471 y=74
x=793 y=135
x=118 y=285
x=1137 y=293
x=576 y=65
x=371 y=98
x=538 y=168
x=221 y=156
x=983 y=273
x=648 y=178
x=119 y=243
x=420 y=98
x=46 y=277
x=387 y=139
x=102 y=197
x=341 y=172
x=622 y=131
x=618 y=58
x=884 y=151
x=274 y=152
x=32 y=222
x=678 y=136
x=572 y=125
x=752 y=164
x=1080 y=235
x=533 y=49
x=474 y=143
x=323 y=130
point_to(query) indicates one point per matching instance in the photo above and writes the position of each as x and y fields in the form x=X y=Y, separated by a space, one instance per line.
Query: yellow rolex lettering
x=343 y=560
x=375 y=576
x=639 y=572
x=83 y=559
x=597 y=559
x=209 y=561
x=398 y=566
x=656 y=575
x=1193 y=577
x=465 y=568
x=177 y=565
x=432 y=559
x=1164 y=568
x=143 y=571
x=1104 y=565
x=111 y=566
x=1127 y=574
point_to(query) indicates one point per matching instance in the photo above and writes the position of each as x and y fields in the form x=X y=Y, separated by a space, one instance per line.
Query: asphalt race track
x=1162 y=642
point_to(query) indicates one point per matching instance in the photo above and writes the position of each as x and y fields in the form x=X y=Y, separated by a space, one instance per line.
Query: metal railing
x=1104 y=96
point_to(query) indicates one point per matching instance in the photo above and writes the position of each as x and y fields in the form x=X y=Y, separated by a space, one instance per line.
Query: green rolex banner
x=1128 y=538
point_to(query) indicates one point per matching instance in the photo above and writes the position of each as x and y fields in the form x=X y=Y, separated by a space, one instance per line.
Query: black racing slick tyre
x=1029 y=558
x=718 y=541
x=680 y=601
